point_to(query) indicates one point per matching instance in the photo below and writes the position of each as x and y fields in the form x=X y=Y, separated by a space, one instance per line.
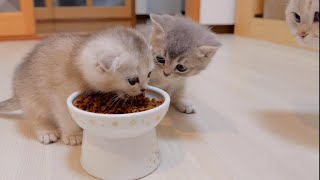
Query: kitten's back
x=46 y=64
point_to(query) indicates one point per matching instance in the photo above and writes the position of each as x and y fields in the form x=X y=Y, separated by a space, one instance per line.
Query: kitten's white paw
x=48 y=137
x=73 y=140
x=185 y=107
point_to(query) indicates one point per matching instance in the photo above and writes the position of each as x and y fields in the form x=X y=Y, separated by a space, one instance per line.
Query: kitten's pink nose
x=167 y=71
x=303 y=34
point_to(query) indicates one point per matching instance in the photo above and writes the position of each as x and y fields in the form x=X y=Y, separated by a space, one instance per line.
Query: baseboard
x=20 y=38
x=219 y=29
x=222 y=29
x=142 y=19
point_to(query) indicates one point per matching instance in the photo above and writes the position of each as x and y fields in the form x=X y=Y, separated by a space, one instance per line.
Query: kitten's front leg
x=184 y=106
x=71 y=132
x=180 y=101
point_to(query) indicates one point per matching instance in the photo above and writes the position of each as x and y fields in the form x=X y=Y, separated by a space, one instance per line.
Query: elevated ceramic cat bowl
x=120 y=147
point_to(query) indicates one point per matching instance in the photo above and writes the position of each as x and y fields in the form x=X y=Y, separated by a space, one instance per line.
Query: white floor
x=258 y=119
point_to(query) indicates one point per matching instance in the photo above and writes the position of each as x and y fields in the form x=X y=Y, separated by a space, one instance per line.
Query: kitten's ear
x=158 y=33
x=156 y=19
x=208 y=51
x=110 y=63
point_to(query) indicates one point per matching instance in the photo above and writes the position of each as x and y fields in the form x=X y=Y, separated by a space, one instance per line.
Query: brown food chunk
x=109 y=104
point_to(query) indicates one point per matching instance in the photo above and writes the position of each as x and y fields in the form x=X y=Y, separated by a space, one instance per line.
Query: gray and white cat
x=117 y=59
x=303 y=19
x=181 y=48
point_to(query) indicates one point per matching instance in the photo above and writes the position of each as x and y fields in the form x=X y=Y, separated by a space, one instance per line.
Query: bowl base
x=120 y=159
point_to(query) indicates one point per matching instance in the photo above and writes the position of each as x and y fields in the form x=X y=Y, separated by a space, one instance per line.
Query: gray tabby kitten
x=181 y=49
x=117 y=59
x=303 y=19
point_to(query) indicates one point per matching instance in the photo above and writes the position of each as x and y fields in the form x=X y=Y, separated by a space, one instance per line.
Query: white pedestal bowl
x=120 y=147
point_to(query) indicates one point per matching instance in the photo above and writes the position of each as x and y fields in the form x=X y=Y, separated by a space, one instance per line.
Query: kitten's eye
x=316 y=16
x=161 y=59
x=181 y=68
x=297 y=17
x=133 y=81
x=149 y=75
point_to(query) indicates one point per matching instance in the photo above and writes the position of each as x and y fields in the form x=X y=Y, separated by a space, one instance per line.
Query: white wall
x=212 y=12
x=158 y=6
x=9 y=5
x=141 y=6
x=217 y=12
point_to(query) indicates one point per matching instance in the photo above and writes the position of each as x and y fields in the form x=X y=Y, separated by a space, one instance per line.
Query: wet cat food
x=110 y=104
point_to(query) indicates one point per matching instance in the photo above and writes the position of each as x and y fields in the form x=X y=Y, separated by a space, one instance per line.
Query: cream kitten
x=181 y=49
x=117 y=59
x=303 y=19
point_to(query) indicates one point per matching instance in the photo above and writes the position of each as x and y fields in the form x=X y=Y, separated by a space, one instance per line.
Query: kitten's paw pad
x=48 y=137
x=73 y=140
x=185 y=108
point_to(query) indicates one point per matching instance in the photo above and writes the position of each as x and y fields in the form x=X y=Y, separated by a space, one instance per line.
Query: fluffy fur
x=303 y=19
x=65 y=63
x=179 y=43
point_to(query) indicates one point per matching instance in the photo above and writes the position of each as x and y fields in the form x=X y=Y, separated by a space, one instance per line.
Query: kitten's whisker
x=119 y=100
x=125 y=101
x=131 y=102
x=114 y=100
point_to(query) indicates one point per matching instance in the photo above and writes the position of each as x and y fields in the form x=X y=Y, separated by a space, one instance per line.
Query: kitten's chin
x=312 y=42
x=120 y=94
x=172 y=77
x=124 y=96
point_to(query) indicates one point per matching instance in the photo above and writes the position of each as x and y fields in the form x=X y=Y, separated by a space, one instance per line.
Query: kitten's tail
x=9 y=105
